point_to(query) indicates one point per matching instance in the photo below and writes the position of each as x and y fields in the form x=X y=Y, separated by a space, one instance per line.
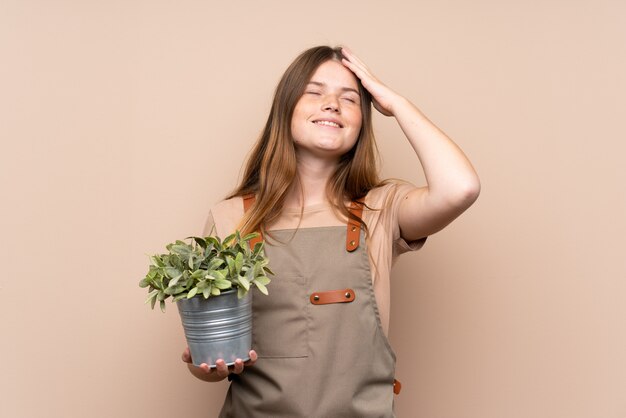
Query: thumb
x=186 y=357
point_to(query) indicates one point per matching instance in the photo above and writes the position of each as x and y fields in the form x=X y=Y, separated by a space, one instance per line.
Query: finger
x=186 y=355
x=253 y=357
x=347 y=52
x=238 y=366
x=350 y=61
x=221 y=368
x=250 y=362
x=205 y=368
x=353 y=58
x=358 y=71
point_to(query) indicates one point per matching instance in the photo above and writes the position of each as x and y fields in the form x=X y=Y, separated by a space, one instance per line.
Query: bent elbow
x=472 y=190
x=466 y=194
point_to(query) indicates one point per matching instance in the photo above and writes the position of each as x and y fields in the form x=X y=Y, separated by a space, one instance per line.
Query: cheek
x=357 y=119
x=298 y=117
x=295 y=127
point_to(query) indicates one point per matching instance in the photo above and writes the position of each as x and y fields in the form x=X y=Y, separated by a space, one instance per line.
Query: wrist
x=397 y=103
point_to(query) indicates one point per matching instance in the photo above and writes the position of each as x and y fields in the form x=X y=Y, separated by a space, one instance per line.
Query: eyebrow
x=317 y=83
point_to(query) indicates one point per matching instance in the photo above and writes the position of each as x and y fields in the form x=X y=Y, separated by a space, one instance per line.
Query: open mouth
x=327 y=123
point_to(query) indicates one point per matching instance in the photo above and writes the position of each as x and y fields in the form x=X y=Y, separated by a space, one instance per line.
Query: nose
x=331 y=103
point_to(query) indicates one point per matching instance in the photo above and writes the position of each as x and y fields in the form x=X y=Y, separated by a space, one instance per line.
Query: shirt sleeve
x=224 y=217
x=400 y=245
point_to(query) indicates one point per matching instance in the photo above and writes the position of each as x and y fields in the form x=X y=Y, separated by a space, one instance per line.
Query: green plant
x=205 y=267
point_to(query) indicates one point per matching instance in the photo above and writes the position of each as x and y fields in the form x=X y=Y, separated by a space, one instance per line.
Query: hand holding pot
x=204 y=372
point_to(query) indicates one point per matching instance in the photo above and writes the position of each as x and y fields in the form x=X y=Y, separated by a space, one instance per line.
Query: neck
x=310 y=187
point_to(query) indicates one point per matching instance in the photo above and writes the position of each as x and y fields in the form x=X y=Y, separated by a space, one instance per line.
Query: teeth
x=327 y=123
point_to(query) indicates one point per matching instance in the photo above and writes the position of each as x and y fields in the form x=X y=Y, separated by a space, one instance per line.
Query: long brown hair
x=271 y=167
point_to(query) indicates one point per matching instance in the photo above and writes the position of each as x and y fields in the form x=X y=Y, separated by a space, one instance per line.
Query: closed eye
x=350 y=99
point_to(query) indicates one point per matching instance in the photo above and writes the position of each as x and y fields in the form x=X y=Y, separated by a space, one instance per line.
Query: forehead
x=335 y=74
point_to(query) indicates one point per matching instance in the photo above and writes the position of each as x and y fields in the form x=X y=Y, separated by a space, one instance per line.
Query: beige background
x=122 y=122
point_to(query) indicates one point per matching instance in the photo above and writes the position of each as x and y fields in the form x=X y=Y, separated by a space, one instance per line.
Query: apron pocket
x=279 y=324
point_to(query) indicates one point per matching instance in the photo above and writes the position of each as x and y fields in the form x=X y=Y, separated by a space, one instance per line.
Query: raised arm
x=452 y=182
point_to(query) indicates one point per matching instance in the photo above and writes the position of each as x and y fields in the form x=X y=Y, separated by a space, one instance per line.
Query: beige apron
x=322 y=350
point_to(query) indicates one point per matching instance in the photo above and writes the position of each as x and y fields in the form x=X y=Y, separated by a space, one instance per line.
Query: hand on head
x=383 y=97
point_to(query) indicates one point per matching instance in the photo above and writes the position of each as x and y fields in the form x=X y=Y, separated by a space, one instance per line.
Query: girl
x=332 y=231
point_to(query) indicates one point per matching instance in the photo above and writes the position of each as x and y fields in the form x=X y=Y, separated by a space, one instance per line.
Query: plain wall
x=122 y=122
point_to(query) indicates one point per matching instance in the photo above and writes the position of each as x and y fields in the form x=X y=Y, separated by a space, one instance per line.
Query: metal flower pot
x=219 y=327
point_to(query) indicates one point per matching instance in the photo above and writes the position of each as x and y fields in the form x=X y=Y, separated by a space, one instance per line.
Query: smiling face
x=327 y=118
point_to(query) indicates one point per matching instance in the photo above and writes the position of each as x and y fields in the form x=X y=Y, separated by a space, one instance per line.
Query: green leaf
x=156 y=261
x=209 y=249
x=174 y=290
x=206 y=292
x=228 y=239
x=144 y=282
x=198 y=274
x=244 y=282
x=241 y=292
x=261 y=287
x=175 y=261
x=238 y=263
x=181 y=249
x=221 y=274
x=250 y=236
x=215 y=263
x=249 y=273
x=231 y=266
x=162 y=306
x=179 y=297
x=212 y=240
x=175 y=280
x=258 y=247
x=222 y=284
x=264 y=280
x=152 y=295
x=215 y=291
x=192 y=293
x=200 y=241
x=257 y=270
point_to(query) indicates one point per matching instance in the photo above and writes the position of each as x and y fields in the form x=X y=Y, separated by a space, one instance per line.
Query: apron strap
x=397 y=386
x=248 y=200
x=353 y=233
x=332 y=296
x=354 y=228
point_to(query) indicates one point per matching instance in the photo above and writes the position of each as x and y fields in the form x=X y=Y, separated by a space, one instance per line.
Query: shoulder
x=388 y=194
x=228 y=208
x=224 y=216
x=382 y=205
